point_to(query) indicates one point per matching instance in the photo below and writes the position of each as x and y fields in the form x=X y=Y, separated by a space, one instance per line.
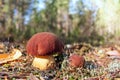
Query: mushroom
x=76 y=60
x=42 y=46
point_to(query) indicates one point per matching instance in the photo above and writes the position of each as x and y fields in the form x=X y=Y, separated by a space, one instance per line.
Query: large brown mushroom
x=42 y=46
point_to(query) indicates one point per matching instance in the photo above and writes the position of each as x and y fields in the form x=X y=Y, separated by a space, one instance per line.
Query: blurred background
x=92 y=21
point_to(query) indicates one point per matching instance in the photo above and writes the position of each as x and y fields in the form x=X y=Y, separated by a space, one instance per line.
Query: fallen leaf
x=20 y=79
x=5 y=78
x=113 y=53
x=116 y=78
x=2 y=46
x=6 y=57
x=32 y=77
x=94 y=78
x=41 y=78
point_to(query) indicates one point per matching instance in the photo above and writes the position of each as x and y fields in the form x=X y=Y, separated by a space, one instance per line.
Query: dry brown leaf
x=106 y=79
x=5 y=78
x=20 y=79
x=2 y=46
x=113 y=53
x=32 y=77
x=116 y=78
x=15 y=54
x=41 y=78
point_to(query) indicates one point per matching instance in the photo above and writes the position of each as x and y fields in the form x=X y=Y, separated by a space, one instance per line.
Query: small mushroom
x=76 y=60
x=42 y=46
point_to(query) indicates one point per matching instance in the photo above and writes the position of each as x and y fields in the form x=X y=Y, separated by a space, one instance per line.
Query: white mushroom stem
x=43 y=62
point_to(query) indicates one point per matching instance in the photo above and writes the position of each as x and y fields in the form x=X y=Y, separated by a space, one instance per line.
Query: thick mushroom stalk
x=44 y=62
x=42 y=46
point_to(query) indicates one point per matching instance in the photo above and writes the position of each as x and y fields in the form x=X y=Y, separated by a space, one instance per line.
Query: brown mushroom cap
x=76 y=60
x=44 y=43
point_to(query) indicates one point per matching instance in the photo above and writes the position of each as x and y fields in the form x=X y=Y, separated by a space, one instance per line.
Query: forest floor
x=101 y=63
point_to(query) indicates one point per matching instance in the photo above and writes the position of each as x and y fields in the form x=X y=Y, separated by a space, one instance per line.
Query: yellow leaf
x=6 y=57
